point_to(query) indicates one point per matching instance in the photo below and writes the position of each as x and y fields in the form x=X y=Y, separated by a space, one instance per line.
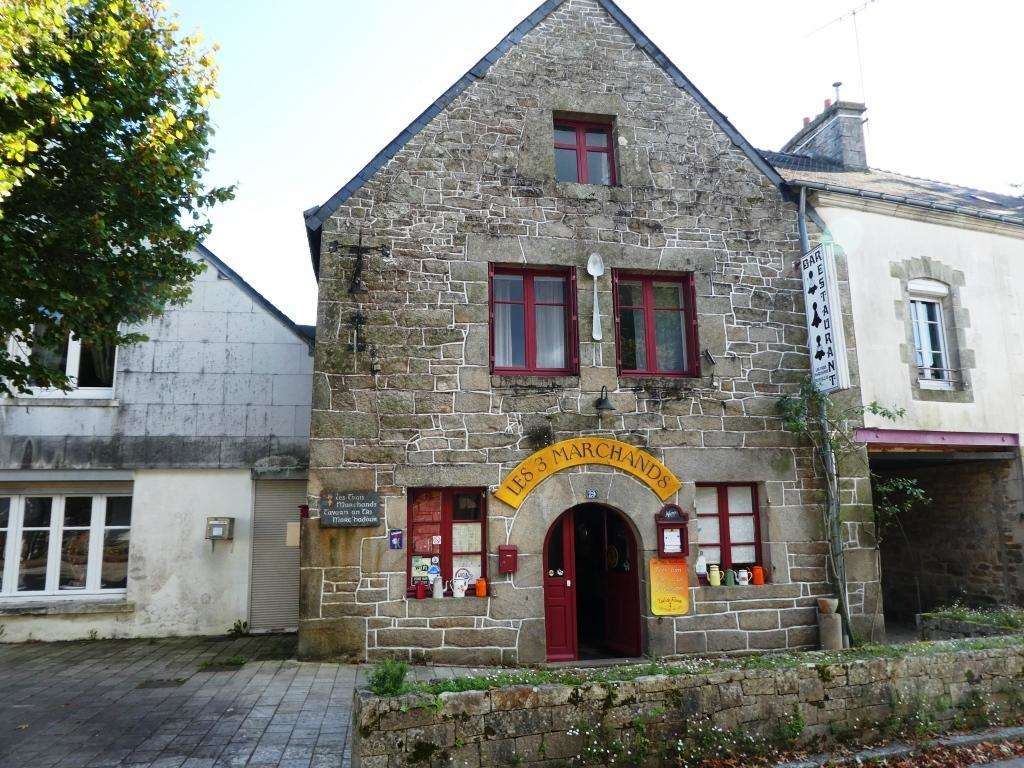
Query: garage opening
x=964 y=544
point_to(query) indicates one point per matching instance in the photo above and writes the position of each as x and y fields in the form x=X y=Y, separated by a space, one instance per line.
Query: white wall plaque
x=825 y=339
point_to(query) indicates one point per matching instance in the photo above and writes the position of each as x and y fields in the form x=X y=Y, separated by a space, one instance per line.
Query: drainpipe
x=828 y=461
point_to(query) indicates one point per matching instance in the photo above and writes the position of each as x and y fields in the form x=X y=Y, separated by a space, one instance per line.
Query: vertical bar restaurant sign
x=825 y=338
x=670 y=587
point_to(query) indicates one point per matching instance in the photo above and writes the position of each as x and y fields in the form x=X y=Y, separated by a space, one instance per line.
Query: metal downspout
x=828 y=461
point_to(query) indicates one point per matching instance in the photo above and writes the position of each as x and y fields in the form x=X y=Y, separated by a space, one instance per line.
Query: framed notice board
x=349 y=509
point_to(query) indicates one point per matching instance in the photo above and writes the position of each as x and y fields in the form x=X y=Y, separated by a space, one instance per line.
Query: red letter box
x=508 y=558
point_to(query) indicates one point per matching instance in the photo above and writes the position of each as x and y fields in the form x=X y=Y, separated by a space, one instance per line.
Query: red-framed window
x=655 y=324
x=447 y=530
x=729 y=524
x=533 y=321
x=584 y=152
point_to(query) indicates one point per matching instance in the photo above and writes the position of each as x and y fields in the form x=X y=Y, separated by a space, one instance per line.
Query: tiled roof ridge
x=840 y=168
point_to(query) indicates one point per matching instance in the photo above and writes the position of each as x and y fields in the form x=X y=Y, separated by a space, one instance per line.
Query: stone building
x=106 y=491
x=457 y=347
x=934 y=273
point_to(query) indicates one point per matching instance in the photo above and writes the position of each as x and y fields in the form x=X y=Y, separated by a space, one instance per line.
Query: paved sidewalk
x=146 y=703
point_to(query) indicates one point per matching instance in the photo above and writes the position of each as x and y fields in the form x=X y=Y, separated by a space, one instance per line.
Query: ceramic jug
x=714 y=576
x=459 y=587
x=730 y=577
x=743 y=577
x=438 y=586
x=701 y=566
x=757 y=575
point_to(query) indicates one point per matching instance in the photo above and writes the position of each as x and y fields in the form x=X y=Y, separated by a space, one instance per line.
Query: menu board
x=349 y=509
x=673 y=541
x=670 y=595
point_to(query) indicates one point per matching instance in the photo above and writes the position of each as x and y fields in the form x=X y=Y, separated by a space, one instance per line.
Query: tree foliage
x=104 y=138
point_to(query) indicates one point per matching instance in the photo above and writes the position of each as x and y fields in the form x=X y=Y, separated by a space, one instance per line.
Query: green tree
x=104 y=138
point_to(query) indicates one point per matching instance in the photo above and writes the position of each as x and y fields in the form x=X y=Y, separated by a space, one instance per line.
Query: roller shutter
x=274 y=597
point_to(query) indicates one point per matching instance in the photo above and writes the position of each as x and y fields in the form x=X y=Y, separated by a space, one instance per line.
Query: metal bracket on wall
x=357 y=285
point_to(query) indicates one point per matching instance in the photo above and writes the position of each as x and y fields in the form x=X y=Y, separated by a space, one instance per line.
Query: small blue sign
x=396 y=537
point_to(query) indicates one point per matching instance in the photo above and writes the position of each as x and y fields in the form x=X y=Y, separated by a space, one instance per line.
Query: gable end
x=316 y=216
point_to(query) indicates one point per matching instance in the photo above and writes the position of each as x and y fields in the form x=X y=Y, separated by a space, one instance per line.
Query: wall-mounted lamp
x=603 y=405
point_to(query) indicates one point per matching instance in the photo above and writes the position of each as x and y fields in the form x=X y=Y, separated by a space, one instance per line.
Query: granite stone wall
x=932 y=627
x=965 y=545
x=540 y=725
x=403 y=393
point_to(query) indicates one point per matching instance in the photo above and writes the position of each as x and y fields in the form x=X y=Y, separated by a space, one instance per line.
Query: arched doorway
x=591 y=585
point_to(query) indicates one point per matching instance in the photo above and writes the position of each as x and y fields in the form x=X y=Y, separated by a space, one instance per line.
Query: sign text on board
x=349 y=509
x=825 y=338
x=586 y=450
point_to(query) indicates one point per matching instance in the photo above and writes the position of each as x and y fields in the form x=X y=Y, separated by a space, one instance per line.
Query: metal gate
x=274 y=594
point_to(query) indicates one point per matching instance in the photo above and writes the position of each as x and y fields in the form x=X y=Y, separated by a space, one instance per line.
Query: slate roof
x=304 y=332
x=316 y=216
x=887 y=186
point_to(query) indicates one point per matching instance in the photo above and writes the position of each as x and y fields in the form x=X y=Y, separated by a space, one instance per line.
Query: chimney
x=837 y=134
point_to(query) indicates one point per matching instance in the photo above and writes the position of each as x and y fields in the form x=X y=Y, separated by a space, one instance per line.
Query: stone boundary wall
x=529 y=725
x=940 y=628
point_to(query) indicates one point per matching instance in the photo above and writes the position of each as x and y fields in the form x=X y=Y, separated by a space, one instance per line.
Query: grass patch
x=697 y=666
x=231 y=662
x=388 y=678
x=1005 y=617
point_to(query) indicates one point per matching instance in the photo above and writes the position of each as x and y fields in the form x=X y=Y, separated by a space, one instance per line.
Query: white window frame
x=924 y=291
x=923 y=349
x=21 y=351
x=97 y=529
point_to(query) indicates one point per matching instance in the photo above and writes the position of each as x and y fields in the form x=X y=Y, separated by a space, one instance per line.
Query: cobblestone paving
x=147 y=703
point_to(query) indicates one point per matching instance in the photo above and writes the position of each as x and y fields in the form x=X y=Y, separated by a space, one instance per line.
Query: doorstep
x=64 y=607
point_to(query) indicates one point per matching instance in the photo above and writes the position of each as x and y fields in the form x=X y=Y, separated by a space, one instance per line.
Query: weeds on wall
x=388 y=678
x=1003 y=617
x=701 y=743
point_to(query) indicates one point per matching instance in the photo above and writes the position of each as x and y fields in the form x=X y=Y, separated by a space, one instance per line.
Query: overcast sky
x=311 y=90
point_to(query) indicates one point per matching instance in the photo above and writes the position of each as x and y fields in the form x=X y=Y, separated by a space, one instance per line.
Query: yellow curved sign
x=586 y=450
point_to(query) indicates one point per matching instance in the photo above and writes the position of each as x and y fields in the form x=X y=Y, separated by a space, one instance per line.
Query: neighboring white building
x=936 y=288
x=105 y=491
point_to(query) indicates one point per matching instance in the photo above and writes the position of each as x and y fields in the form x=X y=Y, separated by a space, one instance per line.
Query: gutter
x=904 y=200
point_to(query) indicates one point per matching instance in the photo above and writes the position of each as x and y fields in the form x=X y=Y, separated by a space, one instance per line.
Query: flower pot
x=828 y=604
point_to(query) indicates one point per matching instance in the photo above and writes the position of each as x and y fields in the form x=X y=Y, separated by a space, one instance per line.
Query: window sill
x=446 y=606
x=659 y=381
x=709 y=594
x=938 y=386
x=62 y=402
x=62 y=606
x=511 y=381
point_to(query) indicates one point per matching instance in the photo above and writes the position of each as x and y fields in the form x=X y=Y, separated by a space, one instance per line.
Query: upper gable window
x=584 y=152
x=90 y=368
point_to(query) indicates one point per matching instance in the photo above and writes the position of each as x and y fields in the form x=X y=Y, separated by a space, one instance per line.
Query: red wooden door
x=560 y=590
x=622 y=610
